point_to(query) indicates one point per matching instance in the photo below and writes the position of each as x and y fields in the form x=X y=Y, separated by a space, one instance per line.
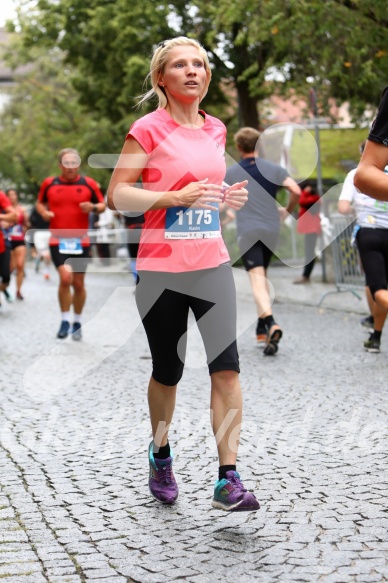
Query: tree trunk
x=247 y=107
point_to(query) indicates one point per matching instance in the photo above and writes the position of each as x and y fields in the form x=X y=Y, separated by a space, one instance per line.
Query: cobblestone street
x=74 y=500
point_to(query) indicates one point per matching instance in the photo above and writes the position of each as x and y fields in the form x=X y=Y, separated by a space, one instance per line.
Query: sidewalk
x=285 y=291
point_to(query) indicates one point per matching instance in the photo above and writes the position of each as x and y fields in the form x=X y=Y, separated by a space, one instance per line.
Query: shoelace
x=237 y=482
x=165 y=474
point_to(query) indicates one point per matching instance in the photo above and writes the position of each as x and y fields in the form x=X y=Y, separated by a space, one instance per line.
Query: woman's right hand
x=200 y=195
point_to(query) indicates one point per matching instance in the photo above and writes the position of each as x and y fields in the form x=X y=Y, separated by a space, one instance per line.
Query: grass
x=335 y=144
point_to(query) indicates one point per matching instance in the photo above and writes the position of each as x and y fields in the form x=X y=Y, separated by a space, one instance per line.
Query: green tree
x=44 y=116
x=339 y=45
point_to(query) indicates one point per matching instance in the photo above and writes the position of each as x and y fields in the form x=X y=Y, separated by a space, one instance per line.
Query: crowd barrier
x=348 y=273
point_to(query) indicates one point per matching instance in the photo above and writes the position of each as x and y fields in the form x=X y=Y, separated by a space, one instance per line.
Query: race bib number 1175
x=190 y=223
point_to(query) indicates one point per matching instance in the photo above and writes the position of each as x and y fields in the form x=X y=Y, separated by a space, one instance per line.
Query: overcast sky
x=7 y=11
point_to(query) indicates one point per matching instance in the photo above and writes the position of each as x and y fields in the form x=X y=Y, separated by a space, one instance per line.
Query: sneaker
x=8 y=296
x=368 y=322
x=64 y=329
x=76 y=332
x=273 y=338
x=230 y=495
x=372 y=345
x=261 y=335
x=161 y=483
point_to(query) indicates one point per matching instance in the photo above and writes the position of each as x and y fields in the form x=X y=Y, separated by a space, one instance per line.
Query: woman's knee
x=226 y=380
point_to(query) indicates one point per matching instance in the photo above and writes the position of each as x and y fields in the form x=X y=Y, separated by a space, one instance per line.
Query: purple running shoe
x=230 y=495
x=162 y=484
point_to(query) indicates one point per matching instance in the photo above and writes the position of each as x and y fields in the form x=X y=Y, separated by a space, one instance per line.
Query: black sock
x=269 y=321
x=260 y=325
x=377 y=335
x=163 y=452
x=223 y=469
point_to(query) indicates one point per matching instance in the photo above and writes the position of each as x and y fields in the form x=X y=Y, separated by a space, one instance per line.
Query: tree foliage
x=43 y=117
x=338 y=45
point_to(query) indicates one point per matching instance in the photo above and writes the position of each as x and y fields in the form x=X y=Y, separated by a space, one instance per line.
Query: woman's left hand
x=236 y=195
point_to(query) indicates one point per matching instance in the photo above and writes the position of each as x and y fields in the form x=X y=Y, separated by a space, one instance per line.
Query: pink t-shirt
x=180 y=239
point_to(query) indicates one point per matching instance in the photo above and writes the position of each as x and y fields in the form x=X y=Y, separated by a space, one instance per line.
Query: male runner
x=258 y=225
x=65 y=201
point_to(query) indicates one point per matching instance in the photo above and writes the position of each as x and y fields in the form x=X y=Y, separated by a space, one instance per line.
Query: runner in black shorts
x=16 y=238
x=66 y=201
x=258 y=225
x=371 y=178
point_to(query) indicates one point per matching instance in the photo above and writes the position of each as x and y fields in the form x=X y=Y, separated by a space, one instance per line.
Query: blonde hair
x=158 y=63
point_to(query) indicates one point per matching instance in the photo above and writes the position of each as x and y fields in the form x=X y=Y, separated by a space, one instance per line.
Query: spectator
x=309 y=224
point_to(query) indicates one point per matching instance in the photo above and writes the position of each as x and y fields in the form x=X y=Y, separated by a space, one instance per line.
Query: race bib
x=70 y=246
x=190 y=223
x=17 y=230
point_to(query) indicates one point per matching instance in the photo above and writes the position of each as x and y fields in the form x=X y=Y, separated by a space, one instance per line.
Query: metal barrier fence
x=347 y=265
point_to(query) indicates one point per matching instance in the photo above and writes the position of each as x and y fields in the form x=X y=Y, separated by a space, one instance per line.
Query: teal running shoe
x=162 y=484
x=231 y=496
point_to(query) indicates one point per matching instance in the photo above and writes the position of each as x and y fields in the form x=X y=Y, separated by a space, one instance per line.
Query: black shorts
x=78 y=263
x=5 y=263
x=15 y=244
x=373 y=248
x=256 y=248
x=164 y=300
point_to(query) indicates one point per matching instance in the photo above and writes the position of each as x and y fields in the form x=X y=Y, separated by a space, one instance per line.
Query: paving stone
x=313 y=446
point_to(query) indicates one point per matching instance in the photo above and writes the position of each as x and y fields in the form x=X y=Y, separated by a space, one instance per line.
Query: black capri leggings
x=164 y=300
x=373 y=248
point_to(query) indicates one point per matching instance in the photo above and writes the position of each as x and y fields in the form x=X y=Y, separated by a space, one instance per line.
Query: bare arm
x=10 y=216
x=124 y=196
x=370 y=177
x=26 y=218
x=89 y=207
x=345 y=207
x=294 y=190
x=43 y=210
